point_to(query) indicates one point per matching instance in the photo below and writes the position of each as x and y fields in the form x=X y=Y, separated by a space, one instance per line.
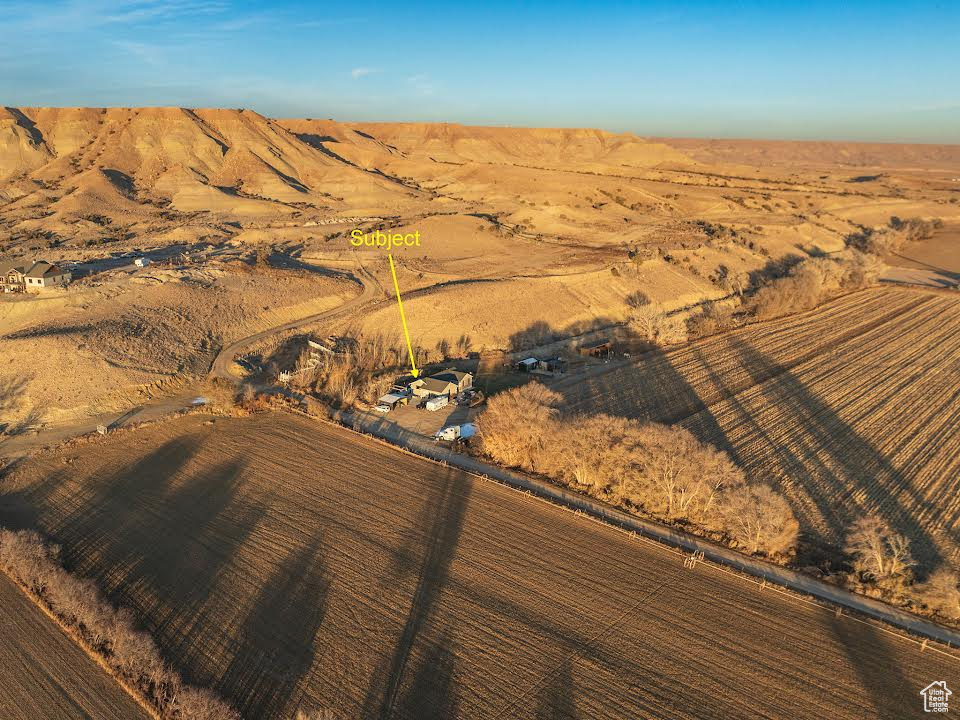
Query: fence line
x=886 y=618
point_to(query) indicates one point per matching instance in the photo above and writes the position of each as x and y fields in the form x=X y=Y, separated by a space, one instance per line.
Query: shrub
x=664 y=471
x=107 y=631
x=879 y=554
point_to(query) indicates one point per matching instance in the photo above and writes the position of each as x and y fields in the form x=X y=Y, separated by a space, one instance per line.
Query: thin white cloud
x=329 y=22
x=421 y=84
x=363 y=72
x=76 y=14
x=150 y=54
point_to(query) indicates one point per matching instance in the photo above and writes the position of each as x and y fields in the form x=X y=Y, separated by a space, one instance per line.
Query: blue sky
x=837 y=70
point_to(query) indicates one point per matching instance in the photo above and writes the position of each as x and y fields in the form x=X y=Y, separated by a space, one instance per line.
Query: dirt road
x=12 y=447
x=223 y=364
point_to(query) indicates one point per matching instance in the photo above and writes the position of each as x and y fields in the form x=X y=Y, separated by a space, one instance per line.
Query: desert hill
x=85 y=176
x=235 y=162
x=552 y=227
x=813 y=153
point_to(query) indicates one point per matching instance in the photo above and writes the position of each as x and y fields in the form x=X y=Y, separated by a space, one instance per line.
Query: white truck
x=456 y=432
x=435 y=403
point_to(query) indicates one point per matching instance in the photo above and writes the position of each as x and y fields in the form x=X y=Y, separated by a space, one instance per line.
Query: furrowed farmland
x=43 y=673
x=293 y=565
x=848 y=409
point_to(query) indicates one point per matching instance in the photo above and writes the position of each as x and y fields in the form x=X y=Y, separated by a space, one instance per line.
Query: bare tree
x=760 y=520
x=104 y=629
x=464 y=343
x=657 y=326
x=941 y=592
x=443 y=347
x=878 y=552
x=516 y=423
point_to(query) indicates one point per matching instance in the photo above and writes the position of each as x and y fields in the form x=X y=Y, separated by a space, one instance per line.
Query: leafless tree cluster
x=883 y=240
x=814 y=281
x=656 y=326
x=655 y=469
x=107 y=631
x=357 y=373
x=941 y=593
x=883 y=564
x=879 y=553
x=712 y=318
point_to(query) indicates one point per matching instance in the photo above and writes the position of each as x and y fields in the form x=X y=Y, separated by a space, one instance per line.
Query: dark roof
x=8 y=265
x=453 y=376
x=44 y=269
x=435 y=384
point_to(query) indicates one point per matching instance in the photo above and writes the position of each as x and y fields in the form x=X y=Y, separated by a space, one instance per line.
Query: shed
x=393 y=399
x=527 y=365
x=597 y=349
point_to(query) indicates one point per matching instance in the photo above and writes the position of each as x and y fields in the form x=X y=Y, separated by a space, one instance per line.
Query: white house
x=43 y=275
x=31 y=276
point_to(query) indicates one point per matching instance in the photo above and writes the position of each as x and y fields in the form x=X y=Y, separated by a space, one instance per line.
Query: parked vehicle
x=435 y=403
x=381 y=408
x=478 y=398
x=456 y=432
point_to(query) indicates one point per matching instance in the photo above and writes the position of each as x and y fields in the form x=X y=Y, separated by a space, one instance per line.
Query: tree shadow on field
x=827 y=464
x=882 y=681
x=649 y=388
x=831 y=464
x=812 y=549
x=432 y=694
x=440 y=523
x=156 y=541
x=557 y=699
x=276 y=641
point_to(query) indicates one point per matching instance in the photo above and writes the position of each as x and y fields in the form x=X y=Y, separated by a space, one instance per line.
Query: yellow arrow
x=403 y=318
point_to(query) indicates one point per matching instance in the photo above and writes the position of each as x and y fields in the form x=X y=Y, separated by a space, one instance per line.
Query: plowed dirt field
x=44 y=674
x=292 y=564
x=851 y=408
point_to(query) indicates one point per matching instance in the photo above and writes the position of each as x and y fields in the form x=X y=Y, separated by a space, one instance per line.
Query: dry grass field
x=520 y=226
x=292 y=565
x=43 y=673
x=850 y=408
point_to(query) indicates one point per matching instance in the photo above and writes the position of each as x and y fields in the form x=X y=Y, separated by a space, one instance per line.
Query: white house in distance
x=26 y=276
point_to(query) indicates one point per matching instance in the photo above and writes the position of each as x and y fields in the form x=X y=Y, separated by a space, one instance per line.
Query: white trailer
x=456 y=432
x=435 y=403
